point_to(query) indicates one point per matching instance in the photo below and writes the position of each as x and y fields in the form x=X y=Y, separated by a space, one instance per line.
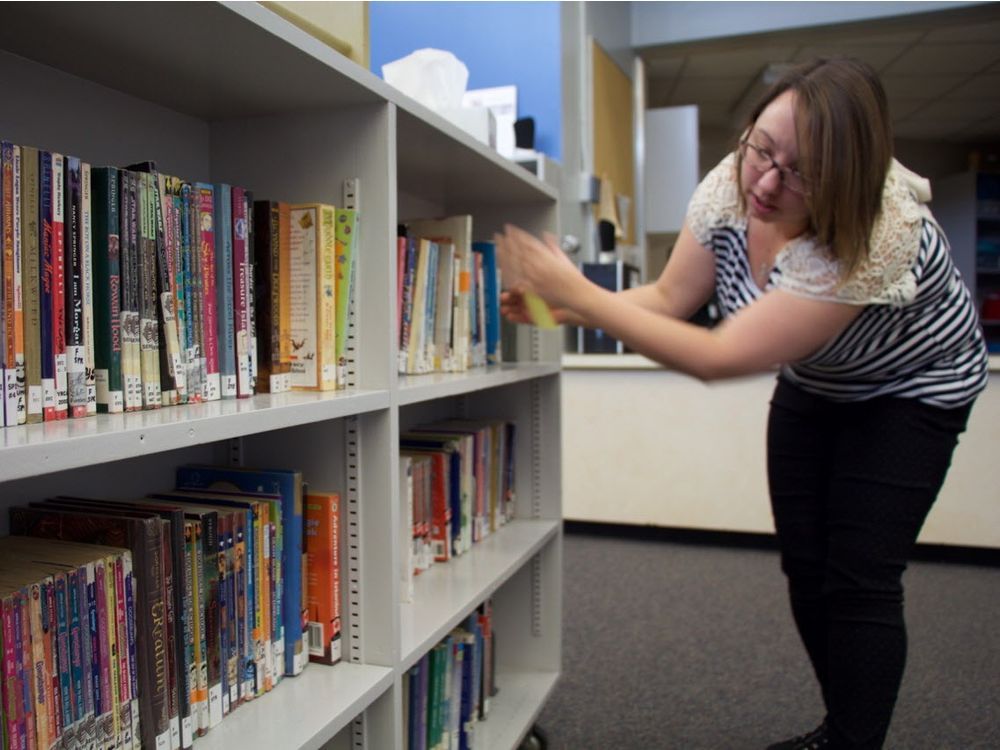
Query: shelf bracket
x=352 y=465
x=352 y=199
x=536 y=595
x=537 y=447
x=236 y=451
x=358 y=734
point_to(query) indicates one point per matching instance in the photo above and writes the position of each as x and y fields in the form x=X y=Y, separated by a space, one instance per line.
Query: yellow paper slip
x=538 y=311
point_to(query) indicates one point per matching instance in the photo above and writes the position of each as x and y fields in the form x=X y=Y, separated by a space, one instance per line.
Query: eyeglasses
x=762 y=161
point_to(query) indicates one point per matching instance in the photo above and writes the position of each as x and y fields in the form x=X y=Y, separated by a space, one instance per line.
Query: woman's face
x=774 y=137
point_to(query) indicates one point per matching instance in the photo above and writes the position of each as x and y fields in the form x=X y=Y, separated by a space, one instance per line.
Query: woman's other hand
x=530 y=264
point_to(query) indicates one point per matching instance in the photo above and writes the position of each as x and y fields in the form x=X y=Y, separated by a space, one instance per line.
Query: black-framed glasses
x=761 y=161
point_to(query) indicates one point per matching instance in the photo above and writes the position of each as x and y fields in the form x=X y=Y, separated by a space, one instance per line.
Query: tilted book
x=173 y=379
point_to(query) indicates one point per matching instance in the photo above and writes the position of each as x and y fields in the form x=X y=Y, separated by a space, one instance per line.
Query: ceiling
x=941 y=71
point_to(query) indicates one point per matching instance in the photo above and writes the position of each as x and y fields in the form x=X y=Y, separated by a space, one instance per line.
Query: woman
x=825 y=263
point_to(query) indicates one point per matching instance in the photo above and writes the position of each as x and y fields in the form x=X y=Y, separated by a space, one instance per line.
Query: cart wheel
x=536 y=740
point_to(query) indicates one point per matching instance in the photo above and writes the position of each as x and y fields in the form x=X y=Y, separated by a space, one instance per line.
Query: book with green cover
x=347 y=247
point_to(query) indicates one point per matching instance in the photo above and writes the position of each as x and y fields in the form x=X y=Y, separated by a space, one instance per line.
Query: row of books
x=456 y=488
x=69 y=649
x=447 y=297
x=126 y=289
x=234 y=586
x=447 y=693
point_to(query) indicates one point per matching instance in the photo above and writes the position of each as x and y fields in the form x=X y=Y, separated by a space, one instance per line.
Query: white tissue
x=434 y=77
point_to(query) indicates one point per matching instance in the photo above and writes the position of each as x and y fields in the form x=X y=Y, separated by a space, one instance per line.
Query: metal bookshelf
x=230 y=92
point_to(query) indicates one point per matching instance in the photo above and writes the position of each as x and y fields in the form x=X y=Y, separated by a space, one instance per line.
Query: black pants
x=851 y=485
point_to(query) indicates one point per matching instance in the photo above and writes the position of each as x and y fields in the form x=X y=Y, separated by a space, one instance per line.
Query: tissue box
x=479 y=122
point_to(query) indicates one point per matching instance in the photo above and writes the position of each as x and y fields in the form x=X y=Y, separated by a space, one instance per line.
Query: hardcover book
x=142 y=536
x=76 y=362
x=313 y=290
x=31 y=279
x=322 y=545
x=288 y=484
x=241 y=282
x=348 y=225
x=107 y=292
x=224 y=290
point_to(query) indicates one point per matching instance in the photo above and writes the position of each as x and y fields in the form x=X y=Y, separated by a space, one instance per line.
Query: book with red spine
x=205 y=232
x=242 y=268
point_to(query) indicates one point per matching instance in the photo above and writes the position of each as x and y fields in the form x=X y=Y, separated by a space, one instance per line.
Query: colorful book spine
x=242 y=308
x=46 y=287
x=491 y=299
x=8 y=369
x=76 y=360
x=173 y=380
x=107 y=292
x=204 y=197
x=290 y=569
x=322 y=527
x=42 y=696
x=348 y=225
x=149 y=341
x=59 y=285
x=89 y=344
x=314 y=310
x=31 y=278
x=129 y=323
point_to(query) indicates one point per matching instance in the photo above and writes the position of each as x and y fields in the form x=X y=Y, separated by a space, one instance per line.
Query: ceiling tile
x=918 y=127
x=692 y=90
x=919 y=86
x=982 y=32
x=664 y=67
x=748 y=60
x=876 y=55
x=902 y=108
x=985 y=86
x=946 y=58
x=716 y=114
x=946 y=109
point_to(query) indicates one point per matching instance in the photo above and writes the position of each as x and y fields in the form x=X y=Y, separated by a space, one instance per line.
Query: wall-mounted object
x=671 y=166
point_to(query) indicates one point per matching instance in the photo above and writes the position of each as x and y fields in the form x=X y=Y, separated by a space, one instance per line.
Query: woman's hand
x=529 y=264
x=514 y=308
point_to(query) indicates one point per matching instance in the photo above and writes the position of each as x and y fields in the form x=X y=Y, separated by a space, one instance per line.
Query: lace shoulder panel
x=885 y=277
x=715 y=202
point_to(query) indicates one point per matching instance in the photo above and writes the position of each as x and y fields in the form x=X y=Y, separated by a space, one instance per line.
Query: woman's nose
x=770 y=180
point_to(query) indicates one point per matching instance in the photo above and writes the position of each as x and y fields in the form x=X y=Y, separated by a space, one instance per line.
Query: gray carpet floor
x=692 y=647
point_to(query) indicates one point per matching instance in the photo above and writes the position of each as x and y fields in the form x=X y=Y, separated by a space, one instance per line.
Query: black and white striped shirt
x=931 y=348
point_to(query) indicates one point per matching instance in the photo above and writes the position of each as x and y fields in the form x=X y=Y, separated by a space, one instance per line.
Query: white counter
x=644 y=445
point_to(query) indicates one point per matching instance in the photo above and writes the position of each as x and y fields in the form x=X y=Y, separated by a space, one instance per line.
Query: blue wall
x=501 y=43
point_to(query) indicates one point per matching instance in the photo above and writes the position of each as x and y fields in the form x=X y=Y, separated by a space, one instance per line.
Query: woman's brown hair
x=845 y=148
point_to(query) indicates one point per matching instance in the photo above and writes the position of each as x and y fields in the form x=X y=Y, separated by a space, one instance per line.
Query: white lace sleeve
x=886 y=277
x=715 y=202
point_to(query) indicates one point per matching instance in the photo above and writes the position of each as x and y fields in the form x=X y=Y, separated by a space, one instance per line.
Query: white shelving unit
x=230 y=92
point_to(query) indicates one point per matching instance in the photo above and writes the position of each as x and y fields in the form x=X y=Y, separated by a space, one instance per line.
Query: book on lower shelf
x=213 y=599
x=449 y=688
